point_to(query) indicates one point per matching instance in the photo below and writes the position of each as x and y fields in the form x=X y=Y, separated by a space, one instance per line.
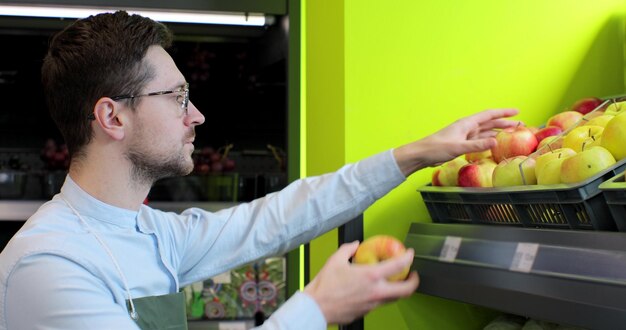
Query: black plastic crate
x=561 y=206
x=614 y=191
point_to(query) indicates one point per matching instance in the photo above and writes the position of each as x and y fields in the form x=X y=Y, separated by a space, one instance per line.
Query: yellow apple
x=614 y=136
x=550 y=143
x=509 y=172
x=550 y=172
x=585 y=164
x=581 y=137
x=554 y=154
x=477 y=174
x=599 y=121
x=378 y=248
x=615 y=108
x=449 y=174
x=478 y=155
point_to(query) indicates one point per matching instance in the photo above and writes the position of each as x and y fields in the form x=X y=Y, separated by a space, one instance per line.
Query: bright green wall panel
x=412 y=67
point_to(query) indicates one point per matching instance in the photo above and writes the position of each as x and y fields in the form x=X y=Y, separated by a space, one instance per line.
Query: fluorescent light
x=198 y=17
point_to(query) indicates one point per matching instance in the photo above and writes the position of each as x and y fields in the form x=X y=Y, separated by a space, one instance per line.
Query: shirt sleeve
x=299 y=312
x=212 y=243
x=65 y=297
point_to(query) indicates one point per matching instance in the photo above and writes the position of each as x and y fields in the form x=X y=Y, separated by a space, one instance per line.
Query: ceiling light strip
x=160 y=15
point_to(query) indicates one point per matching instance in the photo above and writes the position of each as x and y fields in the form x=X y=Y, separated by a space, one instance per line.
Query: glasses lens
x=186 y=100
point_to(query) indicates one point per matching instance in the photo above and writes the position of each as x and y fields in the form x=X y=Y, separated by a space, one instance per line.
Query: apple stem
x=583 y=147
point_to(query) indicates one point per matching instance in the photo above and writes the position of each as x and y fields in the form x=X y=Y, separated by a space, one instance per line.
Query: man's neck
x=109 y=182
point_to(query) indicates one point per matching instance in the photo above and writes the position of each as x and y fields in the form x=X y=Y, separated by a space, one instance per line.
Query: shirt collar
x=90 y=207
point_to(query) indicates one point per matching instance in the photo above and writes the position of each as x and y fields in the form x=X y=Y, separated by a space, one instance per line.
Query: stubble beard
x=147 y=168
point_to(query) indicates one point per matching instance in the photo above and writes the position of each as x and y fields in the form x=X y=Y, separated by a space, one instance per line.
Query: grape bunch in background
x=55 y=156
x=208 y=160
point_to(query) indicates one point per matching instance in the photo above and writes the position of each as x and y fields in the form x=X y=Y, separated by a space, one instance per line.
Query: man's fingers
x=346 y=250
x=400 y=289
x=395 y=265
x=487 y=115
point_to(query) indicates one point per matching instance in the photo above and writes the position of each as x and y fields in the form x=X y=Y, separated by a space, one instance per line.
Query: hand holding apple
x=381 y=247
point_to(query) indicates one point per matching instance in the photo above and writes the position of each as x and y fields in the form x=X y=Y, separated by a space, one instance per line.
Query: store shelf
x=18 y=210
x=565 y=276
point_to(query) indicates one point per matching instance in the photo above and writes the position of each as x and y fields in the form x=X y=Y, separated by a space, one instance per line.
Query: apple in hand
x=378 y=248
x=583 y=137
x=511 y=142
x=565 y=119
x=614 y=136
x=477 y=174
x=508 y=173
x=547 y=132
x=586 y=105
x=585 y=164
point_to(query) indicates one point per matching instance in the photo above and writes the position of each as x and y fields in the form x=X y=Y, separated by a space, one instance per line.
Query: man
x=95 y=257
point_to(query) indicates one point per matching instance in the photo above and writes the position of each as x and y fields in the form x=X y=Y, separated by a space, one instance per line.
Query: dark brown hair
x=94 y=57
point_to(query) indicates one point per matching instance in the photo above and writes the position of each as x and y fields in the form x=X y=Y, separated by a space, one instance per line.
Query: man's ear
x=108 y=118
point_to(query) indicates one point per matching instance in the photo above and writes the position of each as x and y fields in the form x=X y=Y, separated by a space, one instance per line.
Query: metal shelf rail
x=565 y=276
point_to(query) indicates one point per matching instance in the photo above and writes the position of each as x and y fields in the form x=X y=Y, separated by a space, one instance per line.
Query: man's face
x=160 y=140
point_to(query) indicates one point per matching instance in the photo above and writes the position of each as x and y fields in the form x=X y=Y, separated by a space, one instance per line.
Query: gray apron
x=165 y=312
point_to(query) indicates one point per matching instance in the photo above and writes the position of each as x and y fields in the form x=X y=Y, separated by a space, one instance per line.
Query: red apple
x=518 y=141
x=378 y=248
x=565 y=119
x=548 y=131
x=435 y=178
x=586 y=105
x=477 y=174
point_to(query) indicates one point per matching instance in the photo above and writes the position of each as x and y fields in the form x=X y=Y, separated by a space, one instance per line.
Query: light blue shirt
x=55 y=275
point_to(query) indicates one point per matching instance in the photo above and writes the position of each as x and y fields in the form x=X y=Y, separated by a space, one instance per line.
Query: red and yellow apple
x=552 y=143
x=509 y=172
x=511 y=142
x=586 y=105
x=585 y=164
x=583 y=137
x=547 y=132
x=565 y=119
x=378 y=248
x=477 y=174
x=614 y=136
x=435 y=177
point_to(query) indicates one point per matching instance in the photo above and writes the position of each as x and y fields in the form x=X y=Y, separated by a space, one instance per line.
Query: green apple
x=582 y=137
x=600 y=120
x=449 y=174
x=615 y=108
x=614 y=136
x=585 y=164
x=509 y=172
x=554 y=154
x=477 y=174
x=550 y=172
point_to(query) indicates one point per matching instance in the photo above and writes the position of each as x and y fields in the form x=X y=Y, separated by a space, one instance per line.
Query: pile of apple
x=573 y=146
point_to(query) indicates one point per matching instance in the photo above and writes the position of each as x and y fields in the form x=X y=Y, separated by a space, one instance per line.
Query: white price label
x=524 y=257
x=450 y=249
x=232 y=326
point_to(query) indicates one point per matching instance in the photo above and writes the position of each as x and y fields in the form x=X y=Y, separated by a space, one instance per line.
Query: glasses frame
x=184 y=104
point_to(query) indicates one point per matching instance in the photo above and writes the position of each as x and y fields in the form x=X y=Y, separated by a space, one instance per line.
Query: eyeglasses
x=182 y=98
